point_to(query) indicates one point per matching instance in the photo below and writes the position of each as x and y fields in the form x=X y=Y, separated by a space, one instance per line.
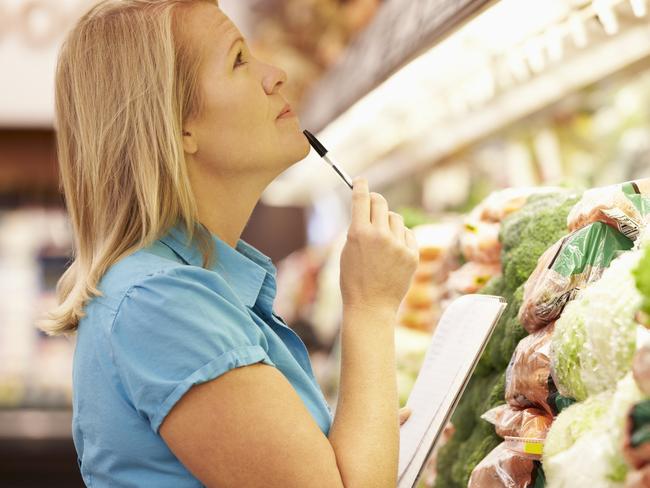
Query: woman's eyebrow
x=237 y=39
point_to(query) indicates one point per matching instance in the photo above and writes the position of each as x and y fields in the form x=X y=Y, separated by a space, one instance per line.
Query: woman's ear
x=190 y=145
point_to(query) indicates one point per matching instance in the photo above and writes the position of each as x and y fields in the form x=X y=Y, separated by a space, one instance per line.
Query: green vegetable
x=525 y=235
x=575 y=421
x=595 y=338
x=583 y=446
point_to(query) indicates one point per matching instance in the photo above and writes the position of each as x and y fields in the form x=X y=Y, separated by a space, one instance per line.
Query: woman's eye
x=239 y=60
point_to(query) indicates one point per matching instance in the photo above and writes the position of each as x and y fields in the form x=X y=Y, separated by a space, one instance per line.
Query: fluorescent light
x=554 y=38
x=578 y=30
x=605 y=12
x=639 y=7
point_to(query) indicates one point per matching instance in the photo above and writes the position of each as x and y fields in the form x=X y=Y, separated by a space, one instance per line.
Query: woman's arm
x=377 y=265
x=250 y=428
x=365 y=432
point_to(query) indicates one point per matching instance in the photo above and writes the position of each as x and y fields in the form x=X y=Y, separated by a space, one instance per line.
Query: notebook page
x=456 y=345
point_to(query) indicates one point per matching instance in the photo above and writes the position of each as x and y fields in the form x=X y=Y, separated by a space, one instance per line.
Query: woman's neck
x=226 y=204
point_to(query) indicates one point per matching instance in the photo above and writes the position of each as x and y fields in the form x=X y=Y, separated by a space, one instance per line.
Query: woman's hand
x=404 y=414
x=379 y=257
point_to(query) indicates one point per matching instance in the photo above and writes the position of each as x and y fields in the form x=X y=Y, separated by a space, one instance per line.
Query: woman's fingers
x=396 y=222
x=411 y=242
x=379 y=212
x=360 y=203
x=404 y=414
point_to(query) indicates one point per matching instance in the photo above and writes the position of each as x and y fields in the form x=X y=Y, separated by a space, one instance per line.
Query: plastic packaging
x=622 y=207
x=479 y=241
x=503 y=468
x=517 y=423
x=566 y=267
x=526 y=446
x=595 y=339
x=527 y=375
x=471 y=277
x=502 y=203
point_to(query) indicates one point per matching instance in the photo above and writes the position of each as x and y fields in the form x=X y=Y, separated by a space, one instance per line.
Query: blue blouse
x=162 y=325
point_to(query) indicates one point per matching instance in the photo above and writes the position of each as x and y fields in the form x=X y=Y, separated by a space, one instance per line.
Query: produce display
x=423 y=302
x=524 y=236
x=561 y=395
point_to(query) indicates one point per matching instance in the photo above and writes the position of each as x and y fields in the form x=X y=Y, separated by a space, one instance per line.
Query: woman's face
x=238 y=129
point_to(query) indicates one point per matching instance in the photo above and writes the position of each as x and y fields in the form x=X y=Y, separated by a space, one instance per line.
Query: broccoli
x=524 y=236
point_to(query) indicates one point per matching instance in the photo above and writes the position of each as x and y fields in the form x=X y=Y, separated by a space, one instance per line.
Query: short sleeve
x=179 y=328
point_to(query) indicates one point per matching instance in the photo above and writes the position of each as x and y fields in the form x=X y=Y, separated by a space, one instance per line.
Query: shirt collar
x=244 y=268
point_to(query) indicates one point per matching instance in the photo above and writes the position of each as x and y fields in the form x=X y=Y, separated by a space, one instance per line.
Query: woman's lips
x=286 y=112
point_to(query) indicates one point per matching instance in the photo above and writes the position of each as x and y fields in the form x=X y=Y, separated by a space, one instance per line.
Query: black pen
x=322 y=152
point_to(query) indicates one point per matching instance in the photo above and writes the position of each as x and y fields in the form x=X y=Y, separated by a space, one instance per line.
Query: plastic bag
x=502 y=203
x=567 y=266
x=622 y=207
x=502 y=468
x=479 y=241
x=471 y=277
x=529 y=423
x=636 y=443
x=529 y=371
x=595 y=339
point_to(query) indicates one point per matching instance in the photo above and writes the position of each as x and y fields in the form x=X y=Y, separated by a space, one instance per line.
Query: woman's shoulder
x=151 y=268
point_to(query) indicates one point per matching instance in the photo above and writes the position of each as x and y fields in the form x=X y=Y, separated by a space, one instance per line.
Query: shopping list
x=456 y=345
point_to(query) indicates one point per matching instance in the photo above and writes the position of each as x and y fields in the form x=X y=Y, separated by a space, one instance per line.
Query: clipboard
x=456 y=346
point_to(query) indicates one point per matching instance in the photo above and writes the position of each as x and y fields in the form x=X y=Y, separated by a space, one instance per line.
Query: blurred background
x=437 y=102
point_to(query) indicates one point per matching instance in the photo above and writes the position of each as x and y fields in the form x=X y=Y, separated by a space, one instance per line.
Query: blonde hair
x=125 y=83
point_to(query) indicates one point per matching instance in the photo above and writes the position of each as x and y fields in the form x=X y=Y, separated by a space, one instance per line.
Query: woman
x=168 y=131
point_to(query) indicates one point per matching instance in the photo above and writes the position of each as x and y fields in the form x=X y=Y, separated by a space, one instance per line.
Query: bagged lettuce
x=566 y=267
x=595 y=338
x=623 y=207
x=583 y=446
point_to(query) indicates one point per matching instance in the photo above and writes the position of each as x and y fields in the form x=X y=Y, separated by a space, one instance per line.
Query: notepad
x=456 y=346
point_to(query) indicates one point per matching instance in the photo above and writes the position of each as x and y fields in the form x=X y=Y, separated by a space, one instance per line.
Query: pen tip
x=315 y=143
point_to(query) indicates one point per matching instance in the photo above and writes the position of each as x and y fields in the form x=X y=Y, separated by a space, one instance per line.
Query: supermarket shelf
x=402 y=153
x=35 y=424
x=401 y=30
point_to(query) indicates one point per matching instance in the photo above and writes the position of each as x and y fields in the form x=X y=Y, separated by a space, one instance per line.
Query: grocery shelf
x=35 y=424
x=400 y=32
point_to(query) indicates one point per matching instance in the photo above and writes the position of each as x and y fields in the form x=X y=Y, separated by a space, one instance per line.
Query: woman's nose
x=273 y=79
